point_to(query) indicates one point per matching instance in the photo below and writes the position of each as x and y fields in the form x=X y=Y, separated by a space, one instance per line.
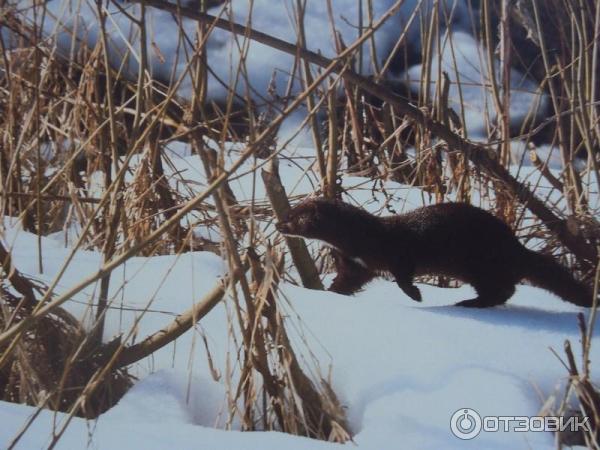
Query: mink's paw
x=475 y=303
x=340 y=287
x=414 y=293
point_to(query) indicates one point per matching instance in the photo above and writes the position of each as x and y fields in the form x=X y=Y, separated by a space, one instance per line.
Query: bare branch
x=172 y=331
x=298 y=251
x=586 y=254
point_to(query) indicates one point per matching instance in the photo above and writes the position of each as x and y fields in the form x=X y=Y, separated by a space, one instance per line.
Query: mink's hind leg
x=351 y=276
x=490 y=295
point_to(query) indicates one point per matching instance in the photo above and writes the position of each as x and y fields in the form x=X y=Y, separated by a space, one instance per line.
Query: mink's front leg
x=351 y=276
x=404 y=281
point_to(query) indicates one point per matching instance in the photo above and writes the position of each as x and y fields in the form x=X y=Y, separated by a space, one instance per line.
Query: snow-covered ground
x=71 y=24
x=464 y=60
x=267 y=76
x=400 y=368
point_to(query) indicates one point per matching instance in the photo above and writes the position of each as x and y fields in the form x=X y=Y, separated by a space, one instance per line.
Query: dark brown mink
x=452 y=239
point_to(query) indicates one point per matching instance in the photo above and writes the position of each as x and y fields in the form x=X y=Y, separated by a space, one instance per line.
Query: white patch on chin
x=360 y=262
x=325 y=243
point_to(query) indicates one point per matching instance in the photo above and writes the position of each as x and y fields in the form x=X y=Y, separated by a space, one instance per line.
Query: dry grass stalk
x=48 y=368
x=300 y=408
x=477 y=154
x=68 y=105
x=587 y=396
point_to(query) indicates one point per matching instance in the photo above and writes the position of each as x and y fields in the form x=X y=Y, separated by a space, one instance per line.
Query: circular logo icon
x=465 y=424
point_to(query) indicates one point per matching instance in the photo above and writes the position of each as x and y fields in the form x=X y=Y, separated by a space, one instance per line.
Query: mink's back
x=452 y=220
x=455 y=239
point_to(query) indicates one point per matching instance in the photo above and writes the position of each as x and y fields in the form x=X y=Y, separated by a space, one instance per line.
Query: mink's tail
x=544 y=272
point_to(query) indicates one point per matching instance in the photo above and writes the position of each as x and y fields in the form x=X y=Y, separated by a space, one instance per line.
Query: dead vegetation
x=84 y=151
x=51 y=365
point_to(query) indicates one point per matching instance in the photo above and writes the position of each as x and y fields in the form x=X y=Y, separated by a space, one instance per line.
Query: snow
x=162 y=432
x=190 y=276
x=169 y=54
x=464 y=60
x=266 y=74
x=265 y=68
x=400 y=368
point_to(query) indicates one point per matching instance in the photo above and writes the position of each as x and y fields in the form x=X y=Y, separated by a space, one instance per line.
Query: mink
x=457 y=240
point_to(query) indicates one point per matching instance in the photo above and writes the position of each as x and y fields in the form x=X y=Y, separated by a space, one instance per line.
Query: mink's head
x=316 y=218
